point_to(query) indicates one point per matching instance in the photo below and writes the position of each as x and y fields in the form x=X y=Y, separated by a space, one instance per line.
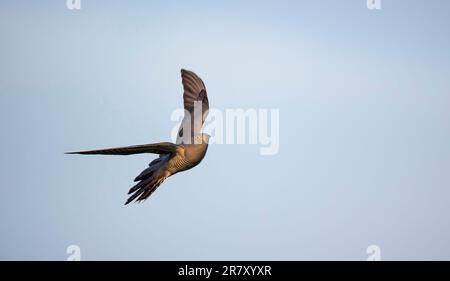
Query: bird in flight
x=188 y=151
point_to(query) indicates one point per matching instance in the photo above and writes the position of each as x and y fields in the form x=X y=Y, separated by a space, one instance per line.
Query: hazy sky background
x=364 y=154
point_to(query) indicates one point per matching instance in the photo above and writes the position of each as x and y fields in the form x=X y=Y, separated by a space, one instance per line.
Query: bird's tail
x=158 y=148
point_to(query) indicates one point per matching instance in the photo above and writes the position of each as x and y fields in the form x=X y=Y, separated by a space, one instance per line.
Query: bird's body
x=188 y=152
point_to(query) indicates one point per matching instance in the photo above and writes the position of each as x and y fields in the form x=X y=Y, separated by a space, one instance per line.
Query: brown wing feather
x=194 y=90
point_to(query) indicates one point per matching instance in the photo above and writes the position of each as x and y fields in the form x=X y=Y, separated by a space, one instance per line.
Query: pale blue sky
x=364 y=155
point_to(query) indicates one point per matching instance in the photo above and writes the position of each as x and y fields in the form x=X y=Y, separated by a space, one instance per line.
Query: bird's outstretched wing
x=149 y=179
x=158 y=148
x=194 y=93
